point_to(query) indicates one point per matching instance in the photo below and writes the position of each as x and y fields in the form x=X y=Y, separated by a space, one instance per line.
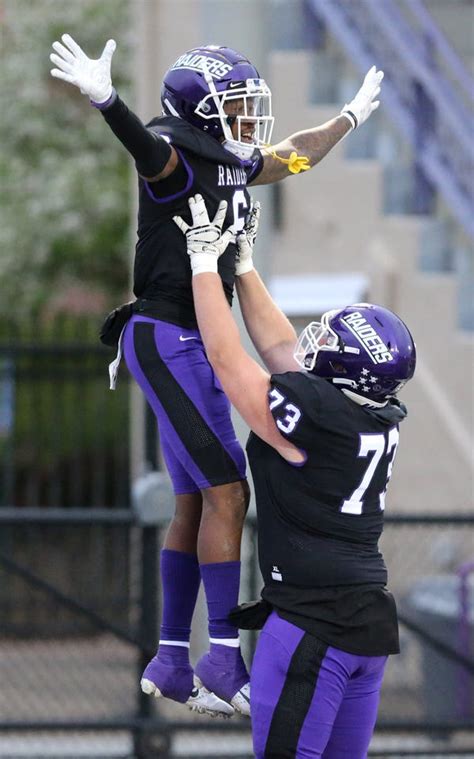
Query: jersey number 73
x=372 y=447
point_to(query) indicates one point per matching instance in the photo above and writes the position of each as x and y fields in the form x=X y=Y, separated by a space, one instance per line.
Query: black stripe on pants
x=200 y=441
x=295 y=699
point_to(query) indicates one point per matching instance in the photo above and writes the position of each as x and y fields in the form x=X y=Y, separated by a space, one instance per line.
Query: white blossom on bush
x=64 y=179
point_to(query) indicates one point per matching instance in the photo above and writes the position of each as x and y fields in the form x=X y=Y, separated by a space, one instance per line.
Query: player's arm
x=245 y=383
x=303 y=150
x=270 y=331
x=154 y=158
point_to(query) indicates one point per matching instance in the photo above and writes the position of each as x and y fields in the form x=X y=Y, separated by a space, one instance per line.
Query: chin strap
x=243 y=151
x=295 y=162
x=363 y=401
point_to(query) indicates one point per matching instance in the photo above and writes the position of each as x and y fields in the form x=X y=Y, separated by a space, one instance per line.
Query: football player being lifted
x=214 y=139
x=325 y=430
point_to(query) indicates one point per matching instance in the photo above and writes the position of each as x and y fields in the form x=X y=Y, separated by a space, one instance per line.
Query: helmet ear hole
x=309 y=361
x=337 y=367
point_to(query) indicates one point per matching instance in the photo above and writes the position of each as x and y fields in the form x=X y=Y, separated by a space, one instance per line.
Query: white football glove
x=246 y=240
x=359 y=109
x=91 y=76
x=205 y=240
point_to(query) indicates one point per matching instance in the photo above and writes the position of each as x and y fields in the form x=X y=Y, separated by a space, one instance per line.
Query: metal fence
x=79 y=585
x=79 y=688
x=64 y=438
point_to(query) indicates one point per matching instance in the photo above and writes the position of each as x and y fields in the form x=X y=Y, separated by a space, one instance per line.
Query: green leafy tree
x=64 y=180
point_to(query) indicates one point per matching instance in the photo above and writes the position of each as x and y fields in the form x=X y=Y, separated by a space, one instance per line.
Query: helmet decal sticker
x=368 y=337
x=203 y=63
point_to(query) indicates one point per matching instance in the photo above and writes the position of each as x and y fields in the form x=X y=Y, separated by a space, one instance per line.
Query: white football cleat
x=201 y=700
x=205 y=702
x=149 y=688
x=241 y=700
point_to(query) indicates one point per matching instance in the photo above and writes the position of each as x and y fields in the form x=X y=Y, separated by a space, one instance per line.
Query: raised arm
x=289 y=155
x=270 y=331
x=154 y=158
x=245 y=383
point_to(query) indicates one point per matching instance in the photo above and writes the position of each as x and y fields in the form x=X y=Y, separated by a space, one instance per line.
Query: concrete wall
x=332 y=221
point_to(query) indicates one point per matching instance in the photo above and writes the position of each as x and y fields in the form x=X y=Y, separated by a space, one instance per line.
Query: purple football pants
x=197 y=437
x=309 y=699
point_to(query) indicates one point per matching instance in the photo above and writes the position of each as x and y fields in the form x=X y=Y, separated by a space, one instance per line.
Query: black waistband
x=165 y=310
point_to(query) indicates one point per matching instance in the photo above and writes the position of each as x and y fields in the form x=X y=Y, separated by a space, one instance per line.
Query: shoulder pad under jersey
x=188 y=137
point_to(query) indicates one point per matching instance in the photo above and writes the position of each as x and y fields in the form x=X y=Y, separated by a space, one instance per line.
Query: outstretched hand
x=91 y=76
x=246 y=241
x=364 y=103
x=204 y=238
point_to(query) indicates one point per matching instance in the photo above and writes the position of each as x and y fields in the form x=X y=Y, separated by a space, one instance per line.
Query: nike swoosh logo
x=183 y=339
x=235 y=84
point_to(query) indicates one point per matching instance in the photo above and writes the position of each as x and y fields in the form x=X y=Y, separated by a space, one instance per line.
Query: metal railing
x=90 y=682
x=63 y=437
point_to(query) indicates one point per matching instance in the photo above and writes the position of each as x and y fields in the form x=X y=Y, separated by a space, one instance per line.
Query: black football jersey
x=162 y=271
x=319 y=523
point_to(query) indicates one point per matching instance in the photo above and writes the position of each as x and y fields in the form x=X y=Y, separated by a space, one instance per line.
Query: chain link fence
x=81 y=671
x=79 y=585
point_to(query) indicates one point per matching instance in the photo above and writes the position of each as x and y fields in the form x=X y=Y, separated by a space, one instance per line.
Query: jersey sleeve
x=255 y=167
x=151 y=152
x=175 y=185
x=295 y=403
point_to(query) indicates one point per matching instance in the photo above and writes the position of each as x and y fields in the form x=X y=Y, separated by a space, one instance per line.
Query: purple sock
x=170 y=670
x=221 y=583
x=180 y=579
x=222 y=670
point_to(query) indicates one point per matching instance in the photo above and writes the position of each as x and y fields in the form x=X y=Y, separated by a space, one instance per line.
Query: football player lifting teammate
x=325 y=430
x=212 y=138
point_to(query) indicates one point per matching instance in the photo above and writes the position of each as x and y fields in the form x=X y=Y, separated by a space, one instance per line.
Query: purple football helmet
x=214 y=87
x=365 y=350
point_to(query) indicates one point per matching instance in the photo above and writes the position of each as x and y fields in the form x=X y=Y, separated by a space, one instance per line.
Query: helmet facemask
x=317 y=336
x=246 y=103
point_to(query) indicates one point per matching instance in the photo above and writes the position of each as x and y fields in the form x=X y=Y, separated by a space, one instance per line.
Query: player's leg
x=195 y=423
x=223 y=513
x=208 y=449
x=170 y=670
x=297 y=685
x=222 y=669
x=170 y=673
x=182 y=533
x=355 y=720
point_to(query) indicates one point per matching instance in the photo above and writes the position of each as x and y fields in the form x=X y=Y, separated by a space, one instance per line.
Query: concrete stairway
x=333 y=222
